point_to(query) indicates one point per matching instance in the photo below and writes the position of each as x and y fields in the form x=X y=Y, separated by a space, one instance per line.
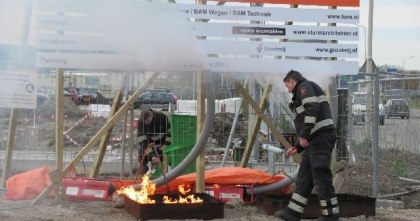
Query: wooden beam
x=277 y=134
x=59 y=129
x=256 y=126
x=201 y=97
x=10 y=145
x=200 y=162
x=116 y=104
x=115 y=119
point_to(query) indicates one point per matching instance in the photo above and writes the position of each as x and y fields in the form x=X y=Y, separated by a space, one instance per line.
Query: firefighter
x=153 y=133
x=316 y=140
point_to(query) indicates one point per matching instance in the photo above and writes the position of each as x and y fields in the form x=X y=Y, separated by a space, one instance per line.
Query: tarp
x=227 y=176
x=27 y=185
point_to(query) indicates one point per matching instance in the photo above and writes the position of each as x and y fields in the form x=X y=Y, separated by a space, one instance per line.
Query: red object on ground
x=28 y=185
x=226 y=193
x=88 y=189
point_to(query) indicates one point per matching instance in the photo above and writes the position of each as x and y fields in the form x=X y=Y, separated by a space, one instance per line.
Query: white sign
x=212 y=29
x=142 y=35
x=278 y=32
x=266 y=48
x=65 y=23
x=133 y=38
x=18 y=89
x=223 y=12
x=275 y=66
x=105 y=61
x=73 y=42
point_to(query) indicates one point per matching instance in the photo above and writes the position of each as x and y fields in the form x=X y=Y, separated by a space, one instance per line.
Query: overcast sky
x=396 y=30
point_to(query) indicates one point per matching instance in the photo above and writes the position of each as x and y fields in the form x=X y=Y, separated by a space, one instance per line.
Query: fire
x=141 y=196
x=187 y=199
x=148 y=188
x=182 y=190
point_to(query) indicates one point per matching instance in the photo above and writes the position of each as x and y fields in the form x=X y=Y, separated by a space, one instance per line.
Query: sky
x=396 y=30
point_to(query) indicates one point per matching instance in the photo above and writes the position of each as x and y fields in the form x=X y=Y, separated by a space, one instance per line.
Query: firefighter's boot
x=329 y=209
x=294 y=210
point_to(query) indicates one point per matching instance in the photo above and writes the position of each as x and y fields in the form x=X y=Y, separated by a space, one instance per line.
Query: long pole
x=369 y=70
x=404 y=63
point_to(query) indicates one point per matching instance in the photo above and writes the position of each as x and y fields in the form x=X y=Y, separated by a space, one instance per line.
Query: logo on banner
x=245 y=30
x=259 y=48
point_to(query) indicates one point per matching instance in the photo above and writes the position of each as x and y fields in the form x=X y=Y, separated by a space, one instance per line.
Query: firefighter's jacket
x=157 y=132
x=312 y=110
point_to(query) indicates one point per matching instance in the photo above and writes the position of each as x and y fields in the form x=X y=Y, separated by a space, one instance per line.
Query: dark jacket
x=313 y=113
x=158 y=131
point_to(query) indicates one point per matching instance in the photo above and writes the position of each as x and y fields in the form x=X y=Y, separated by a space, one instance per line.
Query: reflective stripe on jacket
x=313 y=113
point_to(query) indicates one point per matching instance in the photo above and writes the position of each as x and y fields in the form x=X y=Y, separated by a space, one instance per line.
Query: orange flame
x=141 y=196
x=182 y=190
x=148 y=188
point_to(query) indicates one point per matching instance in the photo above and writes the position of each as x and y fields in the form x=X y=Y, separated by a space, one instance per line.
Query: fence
x=398 y=151
x=398 y=138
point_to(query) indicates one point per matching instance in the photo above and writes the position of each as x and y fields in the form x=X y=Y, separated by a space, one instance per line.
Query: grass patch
x=414 y=104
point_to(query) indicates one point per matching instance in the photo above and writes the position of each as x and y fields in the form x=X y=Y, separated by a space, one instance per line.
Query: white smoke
x=155 y=34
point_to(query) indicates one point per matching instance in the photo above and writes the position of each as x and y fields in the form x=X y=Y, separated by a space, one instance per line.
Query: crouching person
x=153 y=133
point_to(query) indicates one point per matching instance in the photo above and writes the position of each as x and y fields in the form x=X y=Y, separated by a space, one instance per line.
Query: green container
x=158 y=172
x=183 y=129
x=176 y=154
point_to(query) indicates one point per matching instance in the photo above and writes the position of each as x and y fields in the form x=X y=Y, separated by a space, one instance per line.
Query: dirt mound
x=393 y=171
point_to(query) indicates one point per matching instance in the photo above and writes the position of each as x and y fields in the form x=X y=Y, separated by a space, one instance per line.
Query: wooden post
x=59 y=128
x=10 y=145
x=200 y=161
x=256 y=126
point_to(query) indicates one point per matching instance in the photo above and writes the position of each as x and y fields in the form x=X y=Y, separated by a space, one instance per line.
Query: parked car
x=397 y=108
x=156 y=99
x=359 y=109
x=91 y=96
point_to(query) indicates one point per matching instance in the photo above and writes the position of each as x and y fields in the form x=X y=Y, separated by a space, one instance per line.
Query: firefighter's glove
x=155 y=161
x=292 y=107
x=291 y=151
x=298 y=147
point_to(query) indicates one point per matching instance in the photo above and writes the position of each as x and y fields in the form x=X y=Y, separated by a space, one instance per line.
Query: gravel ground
x=50 y=209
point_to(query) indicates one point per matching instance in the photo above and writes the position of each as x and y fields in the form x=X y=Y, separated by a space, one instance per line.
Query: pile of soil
x=398 y=175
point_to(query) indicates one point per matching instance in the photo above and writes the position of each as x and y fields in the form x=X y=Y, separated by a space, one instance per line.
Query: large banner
x=344 y=3
x=136 y=35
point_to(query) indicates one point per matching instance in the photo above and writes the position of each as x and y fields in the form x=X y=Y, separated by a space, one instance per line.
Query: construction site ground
x=51 y=210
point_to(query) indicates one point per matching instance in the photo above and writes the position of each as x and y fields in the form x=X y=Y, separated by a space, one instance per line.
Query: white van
x=359 y=108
